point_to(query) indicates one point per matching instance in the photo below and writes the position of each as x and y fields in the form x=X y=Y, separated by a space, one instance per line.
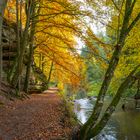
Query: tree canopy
x=88 y=46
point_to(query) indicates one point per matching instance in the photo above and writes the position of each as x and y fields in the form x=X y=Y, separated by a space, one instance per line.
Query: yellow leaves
x=10 y=11
x=136 y=10
x=66 y=66
x=55 y=38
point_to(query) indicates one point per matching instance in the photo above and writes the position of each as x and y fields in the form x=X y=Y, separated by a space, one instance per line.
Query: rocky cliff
x=8 y=44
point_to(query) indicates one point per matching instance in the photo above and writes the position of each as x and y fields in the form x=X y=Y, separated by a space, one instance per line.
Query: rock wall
x=8 y=44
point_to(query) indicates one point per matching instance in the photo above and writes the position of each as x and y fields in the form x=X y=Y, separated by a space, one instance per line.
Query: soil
x=42 y=117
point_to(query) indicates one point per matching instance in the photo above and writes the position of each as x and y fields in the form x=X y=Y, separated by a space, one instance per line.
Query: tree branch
x=133 y=23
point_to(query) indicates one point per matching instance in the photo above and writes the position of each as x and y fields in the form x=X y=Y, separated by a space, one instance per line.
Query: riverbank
x=123 y=124
x=42 y=117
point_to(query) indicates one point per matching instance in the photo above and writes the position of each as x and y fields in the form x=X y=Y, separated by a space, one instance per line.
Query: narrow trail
x=39 y=118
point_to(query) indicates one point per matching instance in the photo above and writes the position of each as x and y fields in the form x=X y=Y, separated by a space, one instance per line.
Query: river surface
x=123 y=125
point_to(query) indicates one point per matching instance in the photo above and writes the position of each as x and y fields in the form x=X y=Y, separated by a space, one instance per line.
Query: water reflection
x=123 y=125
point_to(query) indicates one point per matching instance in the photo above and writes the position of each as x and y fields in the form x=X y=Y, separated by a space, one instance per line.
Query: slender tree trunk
x=42 y=65
x=18 y=35
x=18 y=71
x=18 y=27
x=137 y=95
x=19 y=38
x=21 y=3
x=40 y=61
x=2 y=8
x=49 y=76
x=131 y=78
x=96 y=128
x=28 y=71
x=109 y=73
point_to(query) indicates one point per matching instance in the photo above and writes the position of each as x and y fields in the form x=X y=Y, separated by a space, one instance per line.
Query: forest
x=69 y=69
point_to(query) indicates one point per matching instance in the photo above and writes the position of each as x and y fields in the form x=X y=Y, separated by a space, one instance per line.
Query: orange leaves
x=66 y=66
x=10 y=11
x=55 y=36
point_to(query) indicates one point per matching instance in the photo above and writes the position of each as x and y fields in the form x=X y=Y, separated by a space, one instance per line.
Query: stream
x=123 y=125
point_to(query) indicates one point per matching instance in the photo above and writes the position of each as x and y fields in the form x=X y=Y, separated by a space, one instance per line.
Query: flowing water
x=123 y=125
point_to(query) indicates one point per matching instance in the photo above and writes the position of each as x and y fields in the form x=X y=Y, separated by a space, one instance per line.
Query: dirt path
x=39 y=118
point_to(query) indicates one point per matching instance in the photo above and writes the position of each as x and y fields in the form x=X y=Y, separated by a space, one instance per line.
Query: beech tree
x=50 y=27
x=43 y=26
x=94 y=125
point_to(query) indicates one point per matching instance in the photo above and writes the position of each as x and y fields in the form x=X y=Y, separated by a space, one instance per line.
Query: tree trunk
x=28 y=71
x=109 y=73
x=49 y=76
x=131 y=78
x=40 y=75
x=18 y=35
x=18 y=71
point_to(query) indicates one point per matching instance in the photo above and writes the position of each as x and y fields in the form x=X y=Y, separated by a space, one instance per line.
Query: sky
x=96 y=26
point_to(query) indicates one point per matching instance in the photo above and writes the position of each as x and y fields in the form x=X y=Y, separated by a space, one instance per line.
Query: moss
x=74 y=124
x=69 y=107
